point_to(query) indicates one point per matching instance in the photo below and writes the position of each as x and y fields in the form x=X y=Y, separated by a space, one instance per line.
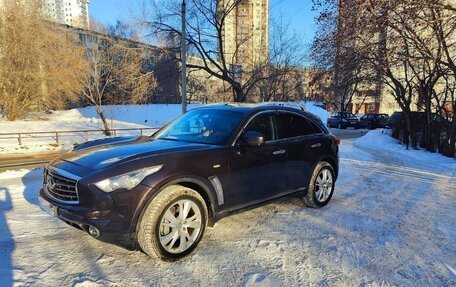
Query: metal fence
x=57 y=135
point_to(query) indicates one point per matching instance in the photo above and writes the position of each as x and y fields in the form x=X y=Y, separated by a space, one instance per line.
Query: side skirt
x=259 y=203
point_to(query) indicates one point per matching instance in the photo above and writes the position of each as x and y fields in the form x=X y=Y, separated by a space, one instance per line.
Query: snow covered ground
x=390 y=222
x=119 y=117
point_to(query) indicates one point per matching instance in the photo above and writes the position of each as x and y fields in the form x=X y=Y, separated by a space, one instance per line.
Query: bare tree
x=118 y=73
x=404 y=48
x=319 y=86
x=39 y=61
x=282 y=79
x=122 y=30
x=413 y=58
x=333 y=50
x=205 y=22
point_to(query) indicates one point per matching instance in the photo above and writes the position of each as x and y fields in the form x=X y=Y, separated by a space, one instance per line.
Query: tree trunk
x=238 y=93
x=452 y=137
x=427 y=132
x=105 y=122
x=407 y=130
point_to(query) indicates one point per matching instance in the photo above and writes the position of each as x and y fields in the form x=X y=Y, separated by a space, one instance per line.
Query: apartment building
x=245 y=32
x=70 y=12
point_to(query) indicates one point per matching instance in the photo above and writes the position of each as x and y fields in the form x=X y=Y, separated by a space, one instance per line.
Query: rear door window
x=290 y=125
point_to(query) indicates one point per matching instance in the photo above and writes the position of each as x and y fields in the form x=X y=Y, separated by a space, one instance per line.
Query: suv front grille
x=60 y=188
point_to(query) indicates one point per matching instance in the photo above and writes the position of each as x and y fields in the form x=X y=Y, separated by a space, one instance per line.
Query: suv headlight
x=127 y=180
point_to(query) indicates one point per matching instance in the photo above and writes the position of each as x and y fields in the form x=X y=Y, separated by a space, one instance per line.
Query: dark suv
x=373 y=121
x=342 y=120
x=162 y=191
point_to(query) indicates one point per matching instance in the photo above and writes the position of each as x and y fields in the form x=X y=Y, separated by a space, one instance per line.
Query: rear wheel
x=173 y=223
x=321 y=186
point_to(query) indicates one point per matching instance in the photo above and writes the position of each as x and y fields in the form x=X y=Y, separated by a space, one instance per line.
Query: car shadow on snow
x=7 y=243
x=32 y=182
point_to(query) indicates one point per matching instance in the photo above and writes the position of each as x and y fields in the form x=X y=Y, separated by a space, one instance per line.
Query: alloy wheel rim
x=323 y=185
x=180 y=226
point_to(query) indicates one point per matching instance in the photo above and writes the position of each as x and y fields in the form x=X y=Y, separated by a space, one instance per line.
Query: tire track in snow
x=401 y=172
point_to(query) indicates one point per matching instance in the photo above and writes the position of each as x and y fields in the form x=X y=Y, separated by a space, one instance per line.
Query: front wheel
x=173 y=223
x=321 y=186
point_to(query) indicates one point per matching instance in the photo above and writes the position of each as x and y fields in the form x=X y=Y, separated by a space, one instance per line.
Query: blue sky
x=297 y=12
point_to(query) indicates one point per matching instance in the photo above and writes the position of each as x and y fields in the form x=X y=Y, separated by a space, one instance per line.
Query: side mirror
x=252 y=138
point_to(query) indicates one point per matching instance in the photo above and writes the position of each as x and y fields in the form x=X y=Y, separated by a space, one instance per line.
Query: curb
x=27 y=160
x=29 y=156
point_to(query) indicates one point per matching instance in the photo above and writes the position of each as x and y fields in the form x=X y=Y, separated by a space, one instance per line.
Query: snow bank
x=157 y=115
x=321 y=113
x=154 y=115
x=382 y=142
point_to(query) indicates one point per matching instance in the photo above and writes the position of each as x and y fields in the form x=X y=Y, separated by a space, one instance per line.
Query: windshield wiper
x=169 y=139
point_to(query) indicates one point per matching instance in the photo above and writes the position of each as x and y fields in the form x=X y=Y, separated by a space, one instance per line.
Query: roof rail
x=292 y=105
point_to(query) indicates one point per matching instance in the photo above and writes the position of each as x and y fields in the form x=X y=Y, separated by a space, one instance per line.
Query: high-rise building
x=245 y=32
x=70 y=12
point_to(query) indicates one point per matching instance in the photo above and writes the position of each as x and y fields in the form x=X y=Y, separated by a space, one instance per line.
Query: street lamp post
x=184 y=60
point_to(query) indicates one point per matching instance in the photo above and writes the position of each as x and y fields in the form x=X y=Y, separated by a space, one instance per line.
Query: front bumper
x=113 y=227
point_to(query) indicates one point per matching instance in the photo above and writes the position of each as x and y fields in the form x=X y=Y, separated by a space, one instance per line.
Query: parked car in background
x=373 y=121
x=417 y=123
x=160 y=192
x=394 y=119
x=342 y=120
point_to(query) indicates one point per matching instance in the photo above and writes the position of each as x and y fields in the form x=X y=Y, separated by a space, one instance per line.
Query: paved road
x=26 y=161
x=34 y=161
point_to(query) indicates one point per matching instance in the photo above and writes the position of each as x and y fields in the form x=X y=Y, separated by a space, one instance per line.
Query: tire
x=316 y=196
x=162 y=228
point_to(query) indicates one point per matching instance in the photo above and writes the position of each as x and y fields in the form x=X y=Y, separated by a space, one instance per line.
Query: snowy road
x=390 y=222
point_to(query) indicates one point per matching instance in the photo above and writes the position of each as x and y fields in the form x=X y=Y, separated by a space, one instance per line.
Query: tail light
x=336 y=141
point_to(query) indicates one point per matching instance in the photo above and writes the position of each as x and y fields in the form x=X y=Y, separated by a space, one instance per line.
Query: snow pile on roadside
x=118 y=117
x=382 y=142
x=319 y=112
x=153 y=115
x=157 y=115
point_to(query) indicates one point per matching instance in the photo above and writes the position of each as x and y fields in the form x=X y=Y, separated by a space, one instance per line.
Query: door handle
x=316 y=145
x=277 y=152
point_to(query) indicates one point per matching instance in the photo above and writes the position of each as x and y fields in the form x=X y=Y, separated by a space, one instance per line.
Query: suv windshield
x=205 y=126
